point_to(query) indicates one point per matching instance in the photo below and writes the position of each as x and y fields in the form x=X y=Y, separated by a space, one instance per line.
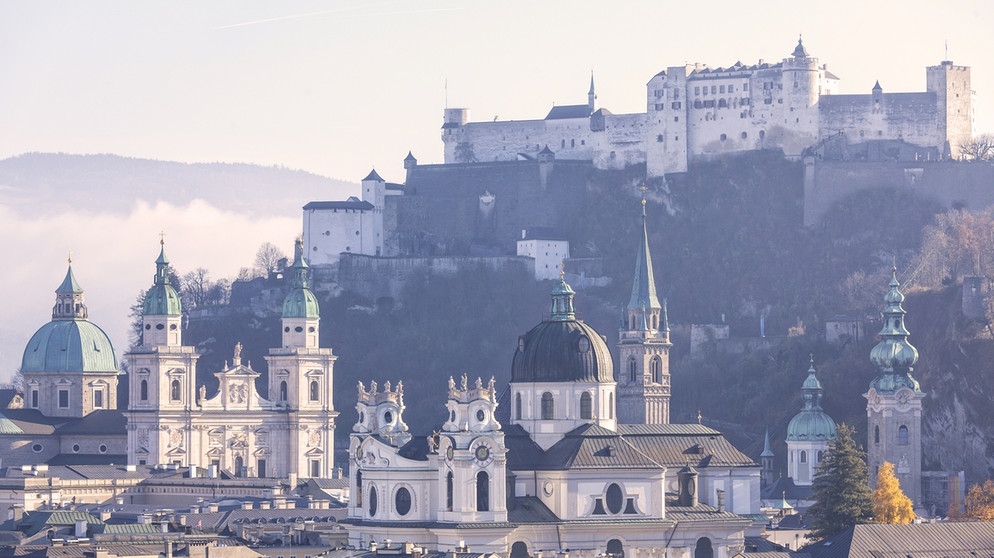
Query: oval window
x=372 y=501
x=583 y=344
x=615 y=498
x=160 y=326
x=103 y=448
x=148 y=326
x=37 y=448
x=75 y=448
x=403 y=501
x=388 y=417
x=481 y=415
x=298 y=329
x=286 y=329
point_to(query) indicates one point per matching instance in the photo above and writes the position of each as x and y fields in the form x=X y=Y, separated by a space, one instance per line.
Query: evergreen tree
x=841 y=488
x=890 y=504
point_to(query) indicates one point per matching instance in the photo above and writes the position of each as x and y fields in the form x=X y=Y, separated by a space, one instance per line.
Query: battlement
x=374 y=397
x=465 y=394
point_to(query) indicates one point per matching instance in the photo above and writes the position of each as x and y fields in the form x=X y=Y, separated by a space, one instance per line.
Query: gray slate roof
x=353 y=203
x=568 y=111
x=924 y=540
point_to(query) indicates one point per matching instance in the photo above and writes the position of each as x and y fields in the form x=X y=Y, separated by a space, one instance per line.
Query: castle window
x=676 y=119
x=632 y=370
x=659 y=137
x=314 y=390
x=744 y=135
x=586 y=406
x=714 y=90
x=283 y=391
x=98 y=399
x=804 y=456
x=548 y=406
x=723 y=137
x=876 y=434
x=358 y=489
x=448 y=491
x=655 y=366
x=143 y=390
x=174 y=392
x=517 y=406
x=721 y=89
x=63 y=398
x=697 y=91
x=34 y=399
x=482 y=491
x=572 y=143
x=722 y=103
x=902 y=435
x=563 y=144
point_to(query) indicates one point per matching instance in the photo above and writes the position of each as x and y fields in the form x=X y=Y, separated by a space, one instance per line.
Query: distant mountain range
x=38 y=184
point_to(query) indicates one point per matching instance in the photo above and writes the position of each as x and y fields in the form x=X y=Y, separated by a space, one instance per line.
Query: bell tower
x=644 y=347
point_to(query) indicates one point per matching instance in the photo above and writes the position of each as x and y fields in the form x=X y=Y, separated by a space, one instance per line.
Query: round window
x=37 y=448
x=583 y=344
x=372 y=501
x=310 y=329
x=160 y=326
x=388 y=417
x=286 y=329
x=481 y=415
x=75 y=448
x=103 y=448
x=615 y=498
x=148 y=326
x=402 y=501
x=172 y=327
x=298 y=329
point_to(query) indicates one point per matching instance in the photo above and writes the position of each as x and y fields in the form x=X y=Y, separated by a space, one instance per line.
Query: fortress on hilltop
x=696 y=112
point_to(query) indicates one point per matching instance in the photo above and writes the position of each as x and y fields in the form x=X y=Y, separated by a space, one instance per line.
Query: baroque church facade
x=547 y=463
x=172 y=420
x=694 y=111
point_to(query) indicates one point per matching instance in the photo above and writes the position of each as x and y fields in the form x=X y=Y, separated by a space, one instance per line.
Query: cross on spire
x=162 y=238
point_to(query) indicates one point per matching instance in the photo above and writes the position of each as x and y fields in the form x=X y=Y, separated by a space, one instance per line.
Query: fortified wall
x=955 y=185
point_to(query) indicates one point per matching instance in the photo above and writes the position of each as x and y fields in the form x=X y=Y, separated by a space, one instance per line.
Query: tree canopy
x=890 y=504
x=980 y=501
x=841 y=488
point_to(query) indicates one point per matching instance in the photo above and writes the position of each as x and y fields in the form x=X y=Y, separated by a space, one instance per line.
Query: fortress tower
x=954 y=102
x=644 y=347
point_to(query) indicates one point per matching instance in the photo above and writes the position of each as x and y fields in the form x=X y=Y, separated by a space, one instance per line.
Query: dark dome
x=562 y=351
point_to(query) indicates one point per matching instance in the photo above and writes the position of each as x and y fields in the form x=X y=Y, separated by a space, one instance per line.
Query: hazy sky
x=339 y=87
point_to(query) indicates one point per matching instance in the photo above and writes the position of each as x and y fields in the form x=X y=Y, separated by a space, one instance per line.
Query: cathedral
x=559 y=460
x=289 y=434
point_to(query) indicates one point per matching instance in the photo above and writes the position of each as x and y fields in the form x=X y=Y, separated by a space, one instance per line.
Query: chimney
x=169 y=549
x=688 y=486
x=372 y=546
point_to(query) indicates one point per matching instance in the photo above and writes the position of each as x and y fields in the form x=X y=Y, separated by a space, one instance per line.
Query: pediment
x=314 y=452
x=176 y=451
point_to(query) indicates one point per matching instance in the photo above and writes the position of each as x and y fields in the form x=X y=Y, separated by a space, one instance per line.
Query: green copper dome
x=562 y=348
x=69 y=343
x=812 y=424
x=300 y=302
x=894 y=356
x=162 y=299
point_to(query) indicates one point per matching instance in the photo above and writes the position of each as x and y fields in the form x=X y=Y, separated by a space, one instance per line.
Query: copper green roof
x=162 y=299
x=69 y=284
x=300 y=302
x=69 y=346
x=812 y=423
x=894 y=356
x=7 y=426
x=644 y=285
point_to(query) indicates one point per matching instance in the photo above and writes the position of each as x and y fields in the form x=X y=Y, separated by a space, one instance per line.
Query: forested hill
x=46 y=183
x=728 y=245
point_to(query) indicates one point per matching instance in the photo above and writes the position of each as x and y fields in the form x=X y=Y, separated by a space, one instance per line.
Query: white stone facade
x=694 y=112
x=548 y=254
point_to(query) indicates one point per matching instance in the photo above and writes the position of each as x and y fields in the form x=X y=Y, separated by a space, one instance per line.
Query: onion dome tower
x=644 y=346
x=69 y=365
x=162 y=311
x=808 y=433
x=894 y=400
x=562 y=375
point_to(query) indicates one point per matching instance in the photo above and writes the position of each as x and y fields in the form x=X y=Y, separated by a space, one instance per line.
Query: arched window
x=902 y=435
x=586 y=406
x=804 y=456
x=632 y=370
x=174 y=392
x=373 y=504
x=519 y=550
x=358 y=489
x=284 y=395
x=610 y=406
x=448 y=491
x=704 y=548
x=239 y=465
x=821 y=455
x=548 y=406
x=142 y=391
x=876 y=434
x=314 y=390
x=656 y=366
x=482 y=491
x=517 y=406
x=615 y=549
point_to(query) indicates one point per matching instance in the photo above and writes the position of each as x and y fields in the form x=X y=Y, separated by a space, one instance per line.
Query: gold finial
x=699 y=416
x=70 y=256
x=162 y=238
x=643 y=188
x=811 y=356
x=562 y=270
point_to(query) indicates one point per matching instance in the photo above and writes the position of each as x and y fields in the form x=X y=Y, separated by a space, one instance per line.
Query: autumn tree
x=980 y=501
x=841 y=488
x=890 y=504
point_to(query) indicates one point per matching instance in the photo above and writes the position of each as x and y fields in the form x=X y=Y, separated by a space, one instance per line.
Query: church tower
x=894 y=400
x=301 y=377
x=163 y=375
x=644 y=347
x=808 y=433
x=591 y=96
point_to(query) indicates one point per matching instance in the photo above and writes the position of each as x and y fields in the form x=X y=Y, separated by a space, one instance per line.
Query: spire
x=799 y=50
x=299 y=267
x=562 y=299
x=811 y=389
x=69 y=298
x=644 y=285
x=767 y=451
x=591 y=96
x=894 y=356
x=877 y=88
x=591 y=92
x=162 y=298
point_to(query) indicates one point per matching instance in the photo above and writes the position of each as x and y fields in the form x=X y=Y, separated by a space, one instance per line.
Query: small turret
x=410 y=163
x=301 y=313
x=381 y=413
x=162 y=311
x=591 y=96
